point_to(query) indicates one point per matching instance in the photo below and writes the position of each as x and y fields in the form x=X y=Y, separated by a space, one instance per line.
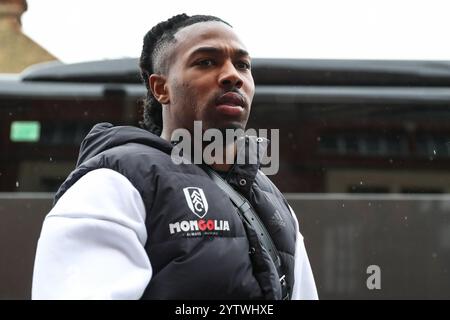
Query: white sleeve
x=92 y=242
x=304 y=285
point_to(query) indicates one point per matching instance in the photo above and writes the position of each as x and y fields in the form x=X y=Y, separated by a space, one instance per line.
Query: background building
x=17 y=51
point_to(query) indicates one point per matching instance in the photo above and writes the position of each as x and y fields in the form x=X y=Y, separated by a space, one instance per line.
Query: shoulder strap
x=246 y=211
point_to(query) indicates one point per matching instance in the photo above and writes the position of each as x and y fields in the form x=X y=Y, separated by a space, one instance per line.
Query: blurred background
x=360 y=91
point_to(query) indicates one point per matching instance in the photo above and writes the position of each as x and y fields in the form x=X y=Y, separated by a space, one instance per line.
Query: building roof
x=270 y=72
x=277 y=81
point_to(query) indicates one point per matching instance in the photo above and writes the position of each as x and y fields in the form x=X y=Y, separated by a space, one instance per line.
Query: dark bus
x=364 y=162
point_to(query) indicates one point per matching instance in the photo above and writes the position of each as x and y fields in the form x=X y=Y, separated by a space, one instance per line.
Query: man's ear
x=159 y=89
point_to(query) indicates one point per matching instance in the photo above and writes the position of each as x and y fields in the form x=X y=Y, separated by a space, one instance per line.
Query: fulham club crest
x=196 y=201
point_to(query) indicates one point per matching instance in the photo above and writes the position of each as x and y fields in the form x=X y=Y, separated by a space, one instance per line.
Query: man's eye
x=243 y=65
x=206 y=63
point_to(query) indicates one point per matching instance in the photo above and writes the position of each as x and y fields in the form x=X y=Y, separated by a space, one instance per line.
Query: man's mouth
x=231 y=104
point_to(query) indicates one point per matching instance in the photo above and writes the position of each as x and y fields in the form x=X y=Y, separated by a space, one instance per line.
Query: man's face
x=208 y=79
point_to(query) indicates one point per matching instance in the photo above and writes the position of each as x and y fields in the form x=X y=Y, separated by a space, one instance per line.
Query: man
x=129 y=223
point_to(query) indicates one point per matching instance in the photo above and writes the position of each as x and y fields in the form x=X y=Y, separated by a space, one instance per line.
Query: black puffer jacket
x=198 y=246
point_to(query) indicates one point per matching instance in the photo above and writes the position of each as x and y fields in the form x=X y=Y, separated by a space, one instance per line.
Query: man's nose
x=230 y=77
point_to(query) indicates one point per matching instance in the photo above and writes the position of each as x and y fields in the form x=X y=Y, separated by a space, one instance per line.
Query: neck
x=230 y=148
x=166 y=135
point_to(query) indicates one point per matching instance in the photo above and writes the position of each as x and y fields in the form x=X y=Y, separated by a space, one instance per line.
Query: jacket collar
x=250 y=151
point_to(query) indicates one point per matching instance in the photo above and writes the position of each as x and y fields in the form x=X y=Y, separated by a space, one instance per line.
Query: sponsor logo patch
x=200 y=227
x=197 y=203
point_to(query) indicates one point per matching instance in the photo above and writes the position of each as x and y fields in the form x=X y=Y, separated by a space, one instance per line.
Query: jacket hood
x=104 y=136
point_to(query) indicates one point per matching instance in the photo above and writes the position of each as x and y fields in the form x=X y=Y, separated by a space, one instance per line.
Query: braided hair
x=153 y=59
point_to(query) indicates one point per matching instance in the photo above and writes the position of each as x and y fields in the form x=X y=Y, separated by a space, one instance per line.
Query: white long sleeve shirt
x=92 y=244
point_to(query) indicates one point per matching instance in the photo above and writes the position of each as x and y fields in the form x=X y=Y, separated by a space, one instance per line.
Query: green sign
x=25 y=131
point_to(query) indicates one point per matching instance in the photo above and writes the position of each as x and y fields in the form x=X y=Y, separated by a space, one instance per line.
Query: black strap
x=247 y=212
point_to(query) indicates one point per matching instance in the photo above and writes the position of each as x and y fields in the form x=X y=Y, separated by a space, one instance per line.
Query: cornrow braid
x=155 y=41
